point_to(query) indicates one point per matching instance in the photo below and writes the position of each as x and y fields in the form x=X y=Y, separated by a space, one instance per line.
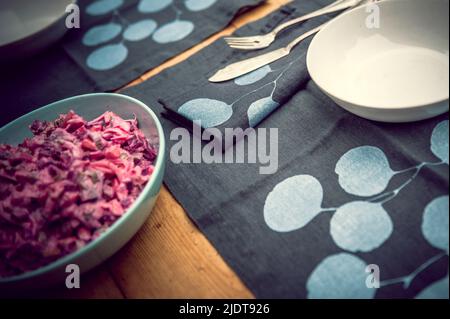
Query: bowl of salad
x=78 y=178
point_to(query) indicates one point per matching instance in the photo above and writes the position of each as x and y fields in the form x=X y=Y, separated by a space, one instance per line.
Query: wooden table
x=169 y=257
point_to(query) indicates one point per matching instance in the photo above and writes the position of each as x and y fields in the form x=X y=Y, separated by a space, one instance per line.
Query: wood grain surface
x=169 y=257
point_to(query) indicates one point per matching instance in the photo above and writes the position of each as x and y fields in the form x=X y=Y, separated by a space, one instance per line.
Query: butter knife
x=238 y=69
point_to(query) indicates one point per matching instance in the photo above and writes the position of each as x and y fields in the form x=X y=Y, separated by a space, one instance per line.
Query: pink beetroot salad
x=63 y=187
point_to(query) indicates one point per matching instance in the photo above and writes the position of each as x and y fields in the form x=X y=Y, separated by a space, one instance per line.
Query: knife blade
x=237 y=69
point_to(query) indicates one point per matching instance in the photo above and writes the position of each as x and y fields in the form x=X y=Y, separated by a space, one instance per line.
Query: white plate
x=27 y=26
x=398 y=72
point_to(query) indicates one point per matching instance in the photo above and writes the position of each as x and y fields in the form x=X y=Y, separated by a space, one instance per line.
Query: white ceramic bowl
x=91 y=106
x=27 y=26
x=398 y=72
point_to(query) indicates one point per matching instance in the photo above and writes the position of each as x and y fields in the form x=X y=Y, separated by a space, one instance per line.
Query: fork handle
x=339 y=5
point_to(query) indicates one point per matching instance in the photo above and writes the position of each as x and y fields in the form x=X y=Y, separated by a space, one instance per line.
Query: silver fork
x=240 y=68
x=264 y=41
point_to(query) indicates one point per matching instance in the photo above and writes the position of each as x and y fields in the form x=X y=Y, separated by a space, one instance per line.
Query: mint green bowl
x=89 y=107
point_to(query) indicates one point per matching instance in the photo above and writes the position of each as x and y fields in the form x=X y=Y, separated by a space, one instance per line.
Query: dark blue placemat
x=247 y=100
x=118 y=41
x=347 y=193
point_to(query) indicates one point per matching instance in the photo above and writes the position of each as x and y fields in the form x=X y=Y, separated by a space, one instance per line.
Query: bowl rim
x=309 y=59
x=104 y=236
x=39 y=31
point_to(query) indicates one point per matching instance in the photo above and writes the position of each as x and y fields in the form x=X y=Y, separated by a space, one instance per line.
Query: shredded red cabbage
x=63 y=187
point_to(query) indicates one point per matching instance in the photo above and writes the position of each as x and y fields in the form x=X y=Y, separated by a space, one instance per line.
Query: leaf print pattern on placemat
x=145 y=33
x=151 y=6
x=364 y=171
x=209 y=112
x=105 y=58
x=101 y=7
x=172 y=31
x=101 y=34
x=293 y=203
x=198 y=5
x=435 y=223
x=140 y=30
x=257 y=110
x=359 y=226
x=339 y=276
